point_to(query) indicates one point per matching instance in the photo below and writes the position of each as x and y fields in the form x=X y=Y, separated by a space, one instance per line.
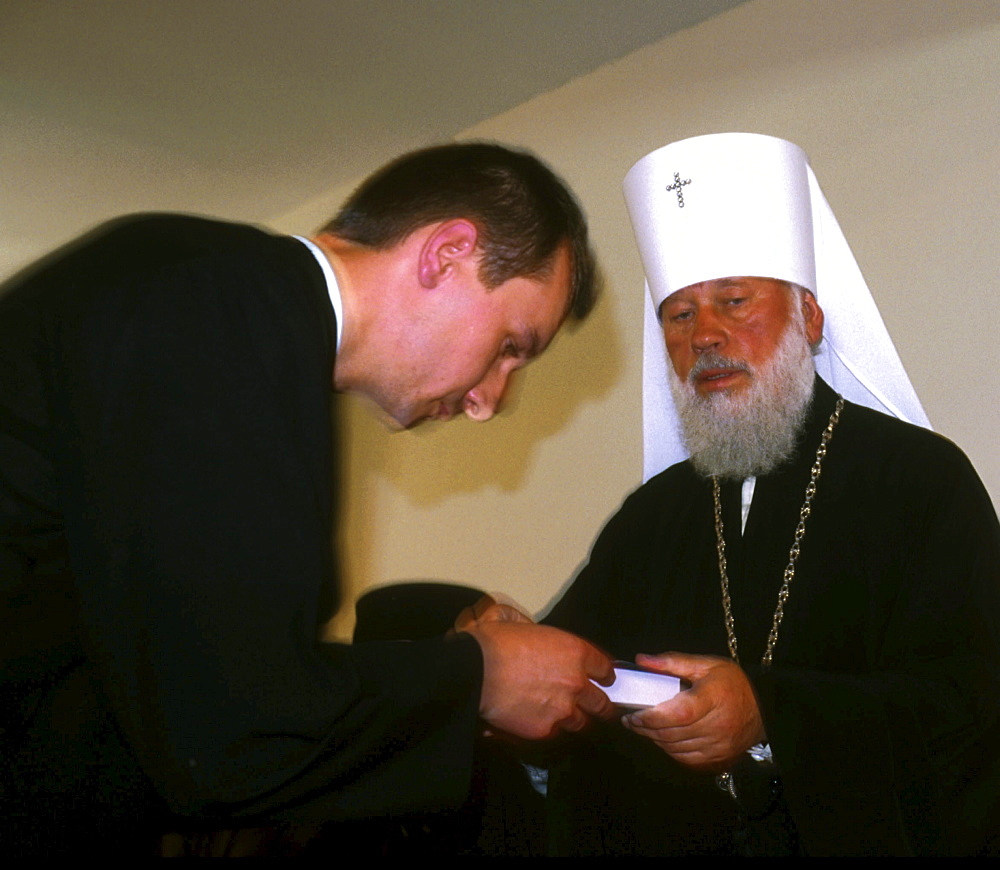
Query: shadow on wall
x=438 y=460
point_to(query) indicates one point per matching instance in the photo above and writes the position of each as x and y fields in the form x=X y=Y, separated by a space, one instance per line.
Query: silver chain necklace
x=725 y=780
x=793 y=553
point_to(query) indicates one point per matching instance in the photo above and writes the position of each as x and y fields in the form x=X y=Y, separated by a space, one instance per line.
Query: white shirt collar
x=331 y=285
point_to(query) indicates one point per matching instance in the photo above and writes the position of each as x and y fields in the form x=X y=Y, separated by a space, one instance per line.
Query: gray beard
x=754 y=431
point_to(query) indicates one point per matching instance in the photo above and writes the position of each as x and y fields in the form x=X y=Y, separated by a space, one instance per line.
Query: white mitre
x=742 y=204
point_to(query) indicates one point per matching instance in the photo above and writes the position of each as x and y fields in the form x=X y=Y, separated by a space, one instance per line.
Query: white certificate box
x=638 y=689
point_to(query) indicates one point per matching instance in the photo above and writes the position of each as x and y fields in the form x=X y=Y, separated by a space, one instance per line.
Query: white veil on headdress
x=734 y=204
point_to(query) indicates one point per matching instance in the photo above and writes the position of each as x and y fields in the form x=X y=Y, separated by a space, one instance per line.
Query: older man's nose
x=708 y=332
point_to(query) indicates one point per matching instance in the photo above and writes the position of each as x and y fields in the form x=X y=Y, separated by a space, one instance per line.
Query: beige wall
x=896 y=103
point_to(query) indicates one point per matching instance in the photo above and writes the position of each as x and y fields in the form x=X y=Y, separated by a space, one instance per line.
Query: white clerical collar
x=746 y=500
x=331 y=284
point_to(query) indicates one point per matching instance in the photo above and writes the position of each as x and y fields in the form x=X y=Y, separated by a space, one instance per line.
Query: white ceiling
x=249 y=107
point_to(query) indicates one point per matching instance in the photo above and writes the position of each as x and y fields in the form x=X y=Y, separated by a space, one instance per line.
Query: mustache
x=718 y=361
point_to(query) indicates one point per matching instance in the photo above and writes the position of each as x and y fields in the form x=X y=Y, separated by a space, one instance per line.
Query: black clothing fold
x=167 y=473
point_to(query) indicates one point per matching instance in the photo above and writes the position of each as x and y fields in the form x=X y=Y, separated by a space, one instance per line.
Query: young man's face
x=467 y=341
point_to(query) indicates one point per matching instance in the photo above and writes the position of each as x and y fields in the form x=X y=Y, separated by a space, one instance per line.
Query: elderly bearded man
x=828 y=574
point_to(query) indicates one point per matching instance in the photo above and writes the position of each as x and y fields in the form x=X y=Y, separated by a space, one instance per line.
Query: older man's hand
x=536 y=679
x=710 y=725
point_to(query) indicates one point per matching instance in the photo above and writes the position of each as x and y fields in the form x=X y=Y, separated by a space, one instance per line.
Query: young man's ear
x=450 y=244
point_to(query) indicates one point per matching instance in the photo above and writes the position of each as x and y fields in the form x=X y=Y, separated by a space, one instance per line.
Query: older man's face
x=719 y=332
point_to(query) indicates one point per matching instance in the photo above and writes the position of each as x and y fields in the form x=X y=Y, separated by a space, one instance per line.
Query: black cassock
x=166 y=516
x=882 y=704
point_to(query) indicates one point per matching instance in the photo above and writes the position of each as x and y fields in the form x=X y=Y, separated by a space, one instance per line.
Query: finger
x=465 y=619
x=684 y=710
x=678 y=743
x=691 y=749
x=575 y=720
x=599 y=666
x=506 y=613
x=487 y=610
x=683 y=665
x=594 y=702
x=482 y=605
x=509 y=609
x=706 y=762
x=676 y=734
x=654 y=662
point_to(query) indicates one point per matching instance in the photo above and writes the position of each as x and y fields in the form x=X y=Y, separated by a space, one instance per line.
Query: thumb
x=683 y=665
x=599 y=665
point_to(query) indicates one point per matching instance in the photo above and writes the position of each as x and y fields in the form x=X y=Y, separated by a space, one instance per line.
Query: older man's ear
x=813 y=315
